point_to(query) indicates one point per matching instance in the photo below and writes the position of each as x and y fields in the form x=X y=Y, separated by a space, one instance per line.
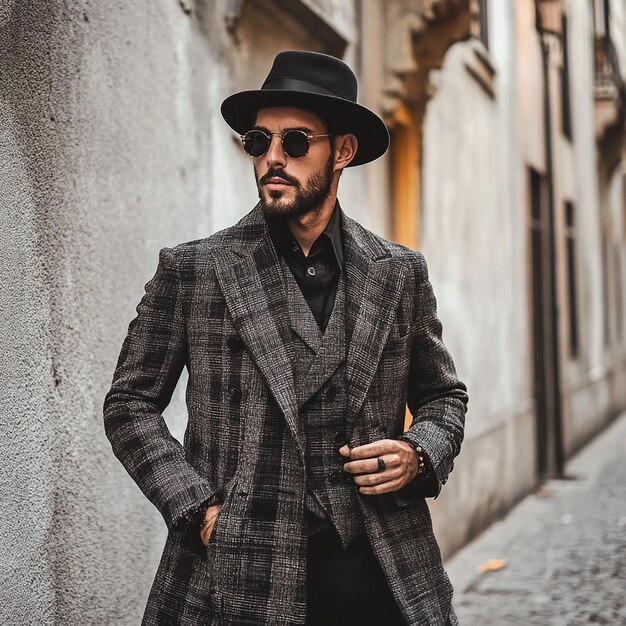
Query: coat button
x=234 y=343
x=340 y=439
x=234 y=394
x=331 y=393
x=334 y=477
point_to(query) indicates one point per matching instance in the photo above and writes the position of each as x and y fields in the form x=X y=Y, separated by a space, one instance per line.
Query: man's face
x=290 y=187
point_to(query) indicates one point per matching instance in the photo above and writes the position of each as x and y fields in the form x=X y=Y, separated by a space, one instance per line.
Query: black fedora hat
x=320 y=83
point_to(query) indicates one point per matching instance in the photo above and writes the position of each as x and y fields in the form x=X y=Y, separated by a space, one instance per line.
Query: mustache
x=281 y=174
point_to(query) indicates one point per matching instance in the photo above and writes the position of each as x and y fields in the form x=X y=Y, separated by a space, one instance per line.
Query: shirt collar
x=284 y=239
x=333 y=232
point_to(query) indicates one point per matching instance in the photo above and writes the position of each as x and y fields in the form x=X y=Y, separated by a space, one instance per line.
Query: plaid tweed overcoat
x=217 y=306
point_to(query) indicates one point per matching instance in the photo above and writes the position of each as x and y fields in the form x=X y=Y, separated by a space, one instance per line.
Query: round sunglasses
x=296 y=143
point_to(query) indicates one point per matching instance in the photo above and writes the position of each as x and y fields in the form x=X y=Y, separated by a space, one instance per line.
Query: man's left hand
x=400 y=465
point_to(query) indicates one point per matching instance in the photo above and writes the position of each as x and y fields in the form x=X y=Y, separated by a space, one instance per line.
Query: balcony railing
x=608 y=79
x=610 y=96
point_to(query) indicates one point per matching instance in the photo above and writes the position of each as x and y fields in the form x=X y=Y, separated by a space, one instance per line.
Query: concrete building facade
x=522 y=209
x=506 y=169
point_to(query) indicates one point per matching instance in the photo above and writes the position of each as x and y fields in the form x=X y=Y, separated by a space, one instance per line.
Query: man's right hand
x=210 y=516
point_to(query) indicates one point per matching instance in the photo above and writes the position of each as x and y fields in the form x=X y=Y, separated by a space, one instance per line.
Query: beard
x=306 y=200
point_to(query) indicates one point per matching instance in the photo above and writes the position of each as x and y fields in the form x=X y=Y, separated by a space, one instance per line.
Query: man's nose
x=275 y=154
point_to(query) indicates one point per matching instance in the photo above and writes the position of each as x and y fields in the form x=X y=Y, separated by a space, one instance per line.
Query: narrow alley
x=559 y=558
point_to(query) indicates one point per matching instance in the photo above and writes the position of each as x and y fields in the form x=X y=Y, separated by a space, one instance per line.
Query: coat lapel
x=251 y=280
x=374 y=285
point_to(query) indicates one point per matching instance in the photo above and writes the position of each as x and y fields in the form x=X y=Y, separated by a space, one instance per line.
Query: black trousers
x=346 y=587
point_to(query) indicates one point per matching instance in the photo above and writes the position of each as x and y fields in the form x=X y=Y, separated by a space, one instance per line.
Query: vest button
x=334 y=477
x=235 y=394
x=331 y=393
x=340 y=439
x=234 y=343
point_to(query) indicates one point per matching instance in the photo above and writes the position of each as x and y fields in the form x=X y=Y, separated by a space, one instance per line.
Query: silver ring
x=381 y=465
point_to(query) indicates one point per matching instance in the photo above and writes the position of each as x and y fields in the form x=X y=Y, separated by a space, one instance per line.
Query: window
x=483 y=23
x=570 y=247
x=624 y=204
x=601 y=17
x=566 y=110
x=619 y=293
x=606 y=317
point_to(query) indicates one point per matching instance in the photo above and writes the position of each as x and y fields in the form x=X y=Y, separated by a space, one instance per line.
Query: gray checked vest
x=319 y=368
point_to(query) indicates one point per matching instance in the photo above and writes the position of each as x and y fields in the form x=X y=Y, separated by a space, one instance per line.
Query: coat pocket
x=211 y=543
x=225 y=538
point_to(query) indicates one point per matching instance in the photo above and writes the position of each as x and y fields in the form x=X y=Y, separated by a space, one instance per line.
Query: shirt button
x=334 y=477
x=310 y=270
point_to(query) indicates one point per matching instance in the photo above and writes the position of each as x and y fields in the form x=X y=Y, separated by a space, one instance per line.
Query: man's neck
x=307 y=228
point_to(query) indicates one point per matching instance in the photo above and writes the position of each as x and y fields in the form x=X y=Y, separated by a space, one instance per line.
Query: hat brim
x=347 y=117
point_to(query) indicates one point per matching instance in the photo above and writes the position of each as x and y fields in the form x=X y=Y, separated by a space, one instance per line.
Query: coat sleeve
x=437 y=399
x=149 y=366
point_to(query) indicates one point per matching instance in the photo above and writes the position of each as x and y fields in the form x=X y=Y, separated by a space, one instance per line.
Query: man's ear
x=345 y=150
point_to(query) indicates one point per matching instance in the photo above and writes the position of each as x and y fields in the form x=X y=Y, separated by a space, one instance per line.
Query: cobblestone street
x=562 y=550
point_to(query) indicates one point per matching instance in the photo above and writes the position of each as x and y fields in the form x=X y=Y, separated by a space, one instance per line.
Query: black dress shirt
x=318 y=273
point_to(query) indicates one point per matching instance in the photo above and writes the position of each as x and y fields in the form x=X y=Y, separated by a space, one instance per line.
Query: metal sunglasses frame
x=281 y=135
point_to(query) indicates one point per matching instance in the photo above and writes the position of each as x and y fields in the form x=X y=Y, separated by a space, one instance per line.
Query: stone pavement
x=563 y=548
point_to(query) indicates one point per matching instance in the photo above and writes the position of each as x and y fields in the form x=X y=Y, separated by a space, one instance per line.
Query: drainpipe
x=543 y=31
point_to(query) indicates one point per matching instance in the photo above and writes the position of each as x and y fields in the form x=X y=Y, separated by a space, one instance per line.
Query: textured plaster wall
x=477 y=151
x=473 y=235
x=102 y=164
x=27 y=485
x=579 y=183
x=594 y=379
x=111 y=146
x=587 y=390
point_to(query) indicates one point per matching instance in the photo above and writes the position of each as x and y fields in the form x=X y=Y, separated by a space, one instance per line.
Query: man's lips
x=276 y=180
x=276 y=183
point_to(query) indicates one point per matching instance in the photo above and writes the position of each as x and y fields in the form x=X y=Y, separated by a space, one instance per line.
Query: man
x=296 y=497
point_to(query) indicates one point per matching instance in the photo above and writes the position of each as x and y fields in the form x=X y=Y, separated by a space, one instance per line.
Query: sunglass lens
x=256 y=143
x=295 y=144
